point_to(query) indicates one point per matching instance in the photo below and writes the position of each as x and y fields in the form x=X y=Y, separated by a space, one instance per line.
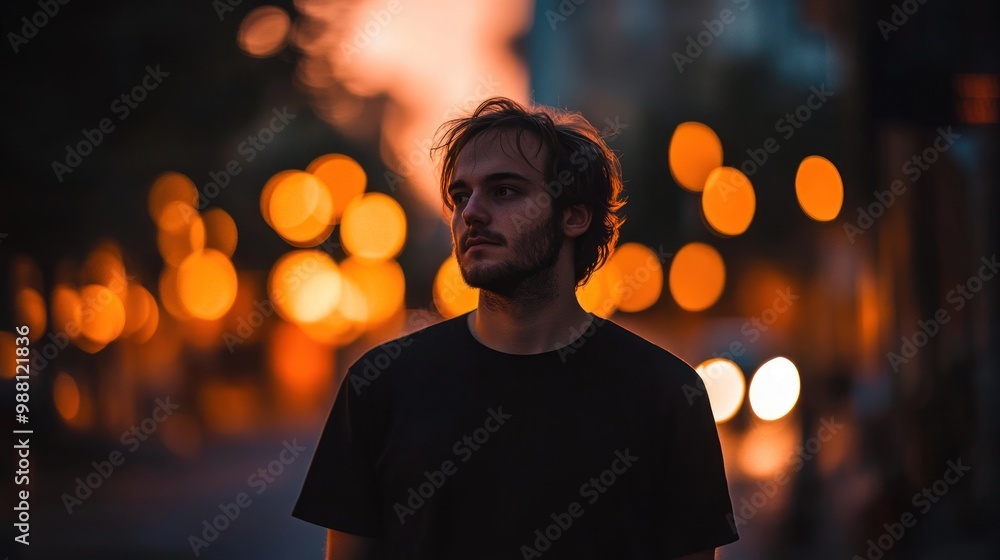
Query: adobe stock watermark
x=698 y=43
x=959 y=296
x=463 y=448
x=922 y=501
x=900 y=15
x=30 y=26
x=913 y=168
x=224 y=7
x=566 y=8
x=259 y=480
x=122 y=106
x=592 y=491
x=249 y=148
x=132 y=438
x=767 y=489
x=373 y=26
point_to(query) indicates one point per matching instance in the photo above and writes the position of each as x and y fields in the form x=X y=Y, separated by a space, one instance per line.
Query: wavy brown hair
x=581 y=169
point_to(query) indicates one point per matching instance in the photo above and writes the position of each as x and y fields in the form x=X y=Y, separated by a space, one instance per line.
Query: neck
x=531 y=320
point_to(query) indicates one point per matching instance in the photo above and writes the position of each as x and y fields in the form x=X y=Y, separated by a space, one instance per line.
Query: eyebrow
x=492 y=178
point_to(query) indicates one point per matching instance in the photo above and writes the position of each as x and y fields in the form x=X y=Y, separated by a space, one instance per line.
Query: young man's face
x=503 y=227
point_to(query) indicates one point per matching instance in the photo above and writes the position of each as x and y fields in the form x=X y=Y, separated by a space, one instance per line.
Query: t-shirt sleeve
x=697 y=511
x=340 y=490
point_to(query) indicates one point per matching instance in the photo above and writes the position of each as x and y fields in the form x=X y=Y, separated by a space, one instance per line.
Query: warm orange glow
x=345 y=177
x=170 y=187
x=641 y=280
x=140 y=310
x=264 y=31
x=206 y=284
x=176 y=245
x=8 y=346
x=169 y=296
x=29 y=309
x=695 y=150
x=181 y=435
x=452 y=296
x=819 y=188
x=103 y=314
x=220 y=231
x=774 y=389
x=598 y=295
x=697 y=276
x=66 y=395
x=175 y=216
x=230 y=408
x=386 y=70
x=382 y=284
x=725 y=385
x=268 y=191
x=66 y=309
x=373 y=227
x=303 y=368
x=300 y=209
x=305 y=286
x=767 y=450
x=728 y=201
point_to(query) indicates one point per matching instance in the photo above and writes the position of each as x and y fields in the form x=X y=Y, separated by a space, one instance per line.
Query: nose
x=475 y=210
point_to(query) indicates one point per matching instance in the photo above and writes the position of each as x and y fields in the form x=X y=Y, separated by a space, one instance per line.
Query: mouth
x=477 y=242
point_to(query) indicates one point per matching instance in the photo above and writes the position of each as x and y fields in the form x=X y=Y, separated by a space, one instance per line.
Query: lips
x=478 y=240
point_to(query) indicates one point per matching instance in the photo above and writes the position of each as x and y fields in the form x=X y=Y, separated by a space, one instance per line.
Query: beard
x=530 y=273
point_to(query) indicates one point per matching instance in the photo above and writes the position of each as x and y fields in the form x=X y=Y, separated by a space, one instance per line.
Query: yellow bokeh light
x=66 y=395
x=382 y=284
x=220 y=231
x=725 y=385
x=452 y=296
x=697 y=276
x=103 y=314
x=774 y=389
x=602 y=293
x=29 y=309
x=345 y=177
x=206 y=284
x=728 y=201
x=305 y=286
x=641 y=273
x=819 y=188
x=170 y=187
x=695 y=150
x=264 y=31
x=373 y=227
x=301 y=209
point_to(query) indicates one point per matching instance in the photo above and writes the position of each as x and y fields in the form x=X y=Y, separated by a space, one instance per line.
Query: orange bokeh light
x=103 y=314
x=641 y=273
x=300 y=208
x=382 y=284
x=452 y=296
x=345 y=177
x=728 y=201
x=697 y=276
x=206 y=284
x=220 y=231
x=170 y=187
x=264 y=31
x=305 y=286
x=695 y=150
x=819 y=188
x=373 y=227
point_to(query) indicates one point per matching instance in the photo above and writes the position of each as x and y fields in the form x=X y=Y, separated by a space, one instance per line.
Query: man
x=505 y=432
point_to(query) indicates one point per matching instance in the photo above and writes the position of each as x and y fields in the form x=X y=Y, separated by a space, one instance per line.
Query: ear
x=576 y=220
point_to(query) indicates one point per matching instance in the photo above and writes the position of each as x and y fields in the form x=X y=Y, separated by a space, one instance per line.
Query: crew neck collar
x=572 y=346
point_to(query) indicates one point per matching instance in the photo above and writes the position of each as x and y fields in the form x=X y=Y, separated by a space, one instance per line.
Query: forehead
x=496 y=151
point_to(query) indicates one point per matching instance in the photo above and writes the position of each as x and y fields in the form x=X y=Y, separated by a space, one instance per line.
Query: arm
x=345 y=546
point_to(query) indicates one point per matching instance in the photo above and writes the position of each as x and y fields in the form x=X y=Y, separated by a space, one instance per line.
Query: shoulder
x=428 y=338
x=646 y=359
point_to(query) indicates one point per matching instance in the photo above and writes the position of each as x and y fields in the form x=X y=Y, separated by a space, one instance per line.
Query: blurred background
x=210 y=209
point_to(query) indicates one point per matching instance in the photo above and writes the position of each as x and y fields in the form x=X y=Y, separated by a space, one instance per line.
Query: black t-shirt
x=447 y=449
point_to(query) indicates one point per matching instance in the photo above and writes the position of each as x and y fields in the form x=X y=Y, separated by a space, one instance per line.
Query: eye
x=459 y=197
x=504 y=190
